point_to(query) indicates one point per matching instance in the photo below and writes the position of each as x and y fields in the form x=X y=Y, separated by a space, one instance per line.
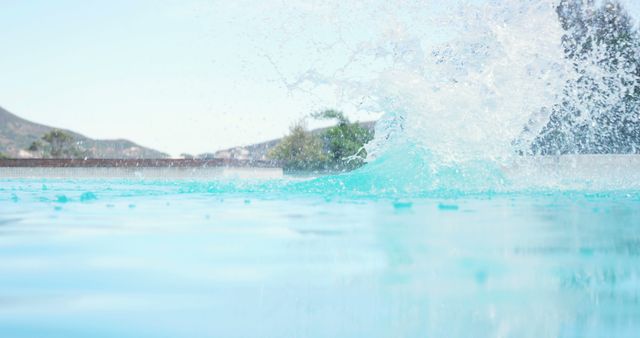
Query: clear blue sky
x=184 y=75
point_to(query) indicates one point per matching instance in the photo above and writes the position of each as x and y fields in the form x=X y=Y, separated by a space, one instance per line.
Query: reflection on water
x=209 y=264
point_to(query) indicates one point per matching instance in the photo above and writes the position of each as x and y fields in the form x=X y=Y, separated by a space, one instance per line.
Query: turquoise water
x=108 y=258
x=446 y=232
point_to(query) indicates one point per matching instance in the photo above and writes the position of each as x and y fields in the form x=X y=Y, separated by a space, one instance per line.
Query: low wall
x=134 y=163
x=624 y=169
x=581 y=171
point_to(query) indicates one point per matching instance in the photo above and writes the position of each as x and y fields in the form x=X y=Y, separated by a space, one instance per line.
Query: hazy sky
x=183 y=75
x=177 y=75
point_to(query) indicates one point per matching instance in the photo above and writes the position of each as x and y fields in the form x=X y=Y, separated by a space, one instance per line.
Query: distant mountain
x=17 y=134
x=259 y=151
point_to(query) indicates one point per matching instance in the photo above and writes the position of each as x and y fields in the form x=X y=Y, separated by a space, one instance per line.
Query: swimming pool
x=499 y=197
x=117 y=258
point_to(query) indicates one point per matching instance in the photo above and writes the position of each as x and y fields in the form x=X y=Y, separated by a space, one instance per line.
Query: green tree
x=345 y=141
x=3 y=156
x=58 y=144
x=600 y=110
x=340 y=147
x=300 y=150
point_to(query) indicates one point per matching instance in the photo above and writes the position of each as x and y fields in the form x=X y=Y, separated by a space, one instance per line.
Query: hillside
x=17 y=134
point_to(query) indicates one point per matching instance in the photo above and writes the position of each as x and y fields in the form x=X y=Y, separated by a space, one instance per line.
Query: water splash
x=460 y=114
x=469 y=98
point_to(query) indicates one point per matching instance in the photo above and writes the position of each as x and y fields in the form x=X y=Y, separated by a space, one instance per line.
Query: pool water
x=109 y=258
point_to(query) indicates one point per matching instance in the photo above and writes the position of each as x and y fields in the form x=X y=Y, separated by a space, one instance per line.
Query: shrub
x=58 y=144
x=300 y=150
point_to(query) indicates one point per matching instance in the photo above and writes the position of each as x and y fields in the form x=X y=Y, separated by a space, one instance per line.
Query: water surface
x=107 y=258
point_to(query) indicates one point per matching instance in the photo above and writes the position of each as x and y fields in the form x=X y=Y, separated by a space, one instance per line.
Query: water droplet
x=481 y=277
x=448 y=207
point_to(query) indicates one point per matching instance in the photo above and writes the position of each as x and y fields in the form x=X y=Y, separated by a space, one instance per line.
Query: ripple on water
x=88 y=196
x=62 y=199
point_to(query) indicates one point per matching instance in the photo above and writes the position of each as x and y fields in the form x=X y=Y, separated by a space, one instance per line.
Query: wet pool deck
x=139 y=169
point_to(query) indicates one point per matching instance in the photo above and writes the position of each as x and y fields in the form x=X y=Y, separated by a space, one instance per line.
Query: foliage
x=600 y=111
x=340 y=147
x=3 y=156
x=345 y=141
x=300 y=150
x=331 y=114
x=58 y=144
